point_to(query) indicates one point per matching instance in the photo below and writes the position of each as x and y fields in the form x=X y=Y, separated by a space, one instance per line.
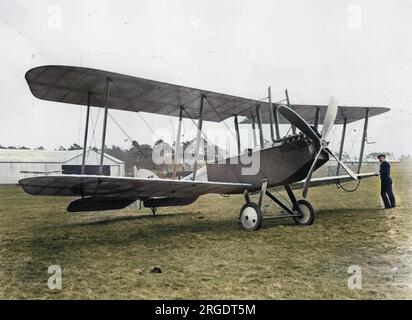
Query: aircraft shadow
x=67 y=240
x=347 y=211
x=111 y=220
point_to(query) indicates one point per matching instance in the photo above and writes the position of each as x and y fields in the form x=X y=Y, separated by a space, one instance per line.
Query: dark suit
x=386 y=185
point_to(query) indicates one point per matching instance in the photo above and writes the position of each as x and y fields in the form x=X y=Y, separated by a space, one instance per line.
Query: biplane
x=284 y=161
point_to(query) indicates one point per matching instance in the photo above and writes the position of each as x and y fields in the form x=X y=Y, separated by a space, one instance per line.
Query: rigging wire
x=123 y=130
x=167 y=111
x=240 y=180
x=339 y=185
x=93 y=138
x=330 y=163
x=80 y=124
x=278 y=194
x=130 y=104
x=201 y=131
x=120 y=127
x=165 y=104
x=127 y=135
x=95 y=125
x=220 y=118
x=353 y=141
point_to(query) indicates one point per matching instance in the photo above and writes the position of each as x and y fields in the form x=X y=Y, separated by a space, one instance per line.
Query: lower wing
x=109 y=193
x=322 y=181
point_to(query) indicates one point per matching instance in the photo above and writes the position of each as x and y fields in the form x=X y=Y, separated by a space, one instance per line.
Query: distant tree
x=75 y=146
x=139 y=156
x=1 y=147
x=39 y=148
x=116 y=152
x=61 y=148
x=142 y=155
x=24 y=148
x=373 y=155
x=11 y=147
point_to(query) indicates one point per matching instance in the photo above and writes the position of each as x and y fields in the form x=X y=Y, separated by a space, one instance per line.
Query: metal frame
x=364 y=138
x=292 y=212
x=199 y=131
x=106 y=98
x=86 y=130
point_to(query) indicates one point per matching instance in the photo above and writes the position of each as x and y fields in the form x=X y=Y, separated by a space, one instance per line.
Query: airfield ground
x=203 y=252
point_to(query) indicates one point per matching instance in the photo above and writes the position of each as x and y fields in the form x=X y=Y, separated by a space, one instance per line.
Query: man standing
x=386 y=183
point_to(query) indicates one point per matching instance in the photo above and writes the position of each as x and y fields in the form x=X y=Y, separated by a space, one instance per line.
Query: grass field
x=204 y=253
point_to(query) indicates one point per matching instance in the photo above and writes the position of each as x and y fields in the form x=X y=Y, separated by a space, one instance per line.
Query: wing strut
x=364 y=138
x=86 y=130
x=275 y=112
x=342 y=142
x=105 y=106
x=254 y=132
x=259 y=122
x=271 y=117
x=199 y=131
x=317 y=115
x=237 y=134
x=289 y=106
x=177 y=146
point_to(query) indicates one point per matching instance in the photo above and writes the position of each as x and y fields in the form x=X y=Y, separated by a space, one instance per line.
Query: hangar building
x=19 y=164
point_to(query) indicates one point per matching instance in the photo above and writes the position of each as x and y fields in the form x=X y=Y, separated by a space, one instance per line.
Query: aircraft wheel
x=308 y=213
x=251 y=216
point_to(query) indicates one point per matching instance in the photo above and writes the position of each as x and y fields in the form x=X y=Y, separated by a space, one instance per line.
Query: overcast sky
x=358 y=51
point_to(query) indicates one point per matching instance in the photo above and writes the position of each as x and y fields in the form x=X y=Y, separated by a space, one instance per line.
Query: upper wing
x=350 y=113
x=72 y=85
x=322 y=181
x=123 y=187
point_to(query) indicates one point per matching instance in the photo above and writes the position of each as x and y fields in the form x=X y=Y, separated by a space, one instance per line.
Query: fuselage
x=285 y=162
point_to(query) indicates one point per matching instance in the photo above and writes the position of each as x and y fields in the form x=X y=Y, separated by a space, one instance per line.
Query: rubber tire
x=259 y=216
x=308 y=211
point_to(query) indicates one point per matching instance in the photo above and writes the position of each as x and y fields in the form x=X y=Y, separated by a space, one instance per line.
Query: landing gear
x=251 y=214
x=154 y=209
x=308 y=213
